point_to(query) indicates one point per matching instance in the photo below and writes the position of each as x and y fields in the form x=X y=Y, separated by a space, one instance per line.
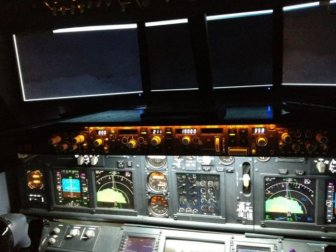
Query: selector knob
x=156 y=140
x=320 y=138
x=262 y=141
x=78 y=139
x=74 y=232
x=186 y=140
x=94 y=160
x=90 y=233
x=296 y=147
x=63 y=147
x=51 y=240
x=56 y=230
x=286 y=138
x=310 y=147
x=321 y=167
x=132 y=143
x=55 y=140
x=98 y=142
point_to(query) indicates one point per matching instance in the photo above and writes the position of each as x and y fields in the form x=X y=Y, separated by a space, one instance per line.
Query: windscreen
x=309 y=45
x=78 y=64
x=241 y=49
x=170 y=56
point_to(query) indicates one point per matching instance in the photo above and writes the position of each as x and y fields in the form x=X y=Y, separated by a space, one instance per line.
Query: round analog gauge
x=158 y=206
x=226 y=160
x=157 y=182
x=156 y=162
x=35 y=180
x=263 y=159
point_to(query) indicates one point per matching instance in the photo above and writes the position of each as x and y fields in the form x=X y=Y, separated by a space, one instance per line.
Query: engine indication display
x=198 y=193
x=290 y=199
x=331 y=201
x=114 y=189
x=72 y=188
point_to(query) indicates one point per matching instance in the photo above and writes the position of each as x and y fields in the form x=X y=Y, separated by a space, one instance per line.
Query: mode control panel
x=227 y=140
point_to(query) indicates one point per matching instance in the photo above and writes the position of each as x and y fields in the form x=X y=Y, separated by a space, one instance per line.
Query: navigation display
x=331 y=201
x=289 y=199
x=114 y=189
x=71 y=188
x=139 y=244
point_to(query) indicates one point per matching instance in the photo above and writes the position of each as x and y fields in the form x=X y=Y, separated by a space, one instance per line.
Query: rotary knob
x=132 y=143
x=262 y=141
x=310 y=147
x=321 y=167
x=90 y=233
x=185 y=140
x=55 y=140
x=63 y=147
x=98 y=142
x=320 y=138
x=156 y=140
x=78 y=139
x=286 y=138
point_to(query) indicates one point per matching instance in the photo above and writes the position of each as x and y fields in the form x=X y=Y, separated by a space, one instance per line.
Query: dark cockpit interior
x=167 y=126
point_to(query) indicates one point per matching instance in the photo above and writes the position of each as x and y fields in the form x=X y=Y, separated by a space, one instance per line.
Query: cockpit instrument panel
x=290 y=199
x=71 y=188
x=114 y=189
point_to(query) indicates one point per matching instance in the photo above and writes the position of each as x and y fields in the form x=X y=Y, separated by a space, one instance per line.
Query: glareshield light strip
x=246 y=86
x=96 y=28
x=301 y=6
x=83 y=96
x=167 y=22
x=310 y=84
x=239 y=15
x=175 y=89
x=19 y=66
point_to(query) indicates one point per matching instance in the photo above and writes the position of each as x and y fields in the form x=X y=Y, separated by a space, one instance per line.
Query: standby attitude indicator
x=289 y=199
x=114 y=189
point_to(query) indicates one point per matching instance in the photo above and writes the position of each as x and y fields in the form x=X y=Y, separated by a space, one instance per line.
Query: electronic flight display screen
x=71 y=188
x=114 y=189
x=139 y=244
x=331 y=201
x=290 y=199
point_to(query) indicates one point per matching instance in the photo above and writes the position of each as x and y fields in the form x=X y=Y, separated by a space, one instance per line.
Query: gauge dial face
x=157 y=182
x=35 y=180
x=290 y=199
x=158 y=206
x=156 y=162
x=226 y=160
x=114 y=189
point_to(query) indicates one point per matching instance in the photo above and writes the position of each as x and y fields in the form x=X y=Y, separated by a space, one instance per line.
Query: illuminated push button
x=78 y=139
x=132 y=144
x=186 y=140
x=156 y=140
x=262 y=141
x=63 y=147
x=98 y=142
